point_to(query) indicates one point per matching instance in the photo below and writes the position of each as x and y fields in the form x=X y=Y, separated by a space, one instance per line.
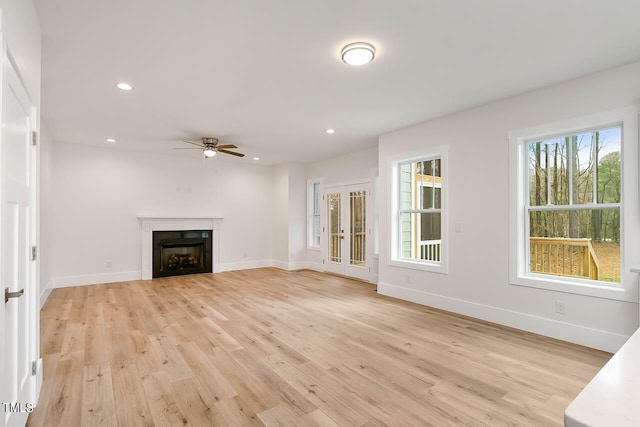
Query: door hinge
x=34 y=137
x=34 y=253
x=323 y=261
x=323 y=229
x=34 y=368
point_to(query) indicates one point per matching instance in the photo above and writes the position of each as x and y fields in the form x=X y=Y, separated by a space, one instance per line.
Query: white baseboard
x=246 y=265
x=94 y=279
x=44 y=294
x=594 y=338
x=315 y=266
x=289 y=266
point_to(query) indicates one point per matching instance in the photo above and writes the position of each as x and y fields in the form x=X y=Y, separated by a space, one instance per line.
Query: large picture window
x=419 y=213
x=574 y=205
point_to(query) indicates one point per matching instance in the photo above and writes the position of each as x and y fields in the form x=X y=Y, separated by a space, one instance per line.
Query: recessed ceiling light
x=330 y=131
x=124 y=86
x=359 y=53
x=256 y=158
x=110 y=140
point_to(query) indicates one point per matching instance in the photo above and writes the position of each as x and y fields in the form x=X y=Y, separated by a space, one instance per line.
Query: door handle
x=8 y=294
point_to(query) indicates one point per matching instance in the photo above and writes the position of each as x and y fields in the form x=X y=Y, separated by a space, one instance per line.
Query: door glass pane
x=357 y=229
x=335 y=230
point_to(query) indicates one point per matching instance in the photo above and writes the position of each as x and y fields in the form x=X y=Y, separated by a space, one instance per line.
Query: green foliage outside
x=575 y=191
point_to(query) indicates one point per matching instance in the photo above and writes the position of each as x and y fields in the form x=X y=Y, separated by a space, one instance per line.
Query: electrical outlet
x=107 y=264
x=560 y=307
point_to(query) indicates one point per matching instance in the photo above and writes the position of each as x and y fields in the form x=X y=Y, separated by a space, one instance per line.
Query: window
x=573 y=209
x=419 y=213
x=313 y=213
x=574 y=199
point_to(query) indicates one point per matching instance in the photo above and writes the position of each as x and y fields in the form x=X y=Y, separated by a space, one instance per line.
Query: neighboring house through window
x=419 y=212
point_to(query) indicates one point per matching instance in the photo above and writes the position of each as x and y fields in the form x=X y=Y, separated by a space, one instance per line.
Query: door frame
x=343 y=188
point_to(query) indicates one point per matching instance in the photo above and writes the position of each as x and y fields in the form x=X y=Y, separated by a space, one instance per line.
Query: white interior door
x=18 y=315
x=346 y=234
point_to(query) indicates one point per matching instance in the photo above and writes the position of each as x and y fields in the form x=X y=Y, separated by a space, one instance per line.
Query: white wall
x=289 y=187
x=280 y=224
x=337 y=170
x=100 y=191
x=478 y=279
x=297 y=215
x=46 y=210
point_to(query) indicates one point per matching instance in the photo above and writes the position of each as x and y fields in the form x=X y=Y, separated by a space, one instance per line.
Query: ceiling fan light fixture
x=358 y=53
x=209 y=152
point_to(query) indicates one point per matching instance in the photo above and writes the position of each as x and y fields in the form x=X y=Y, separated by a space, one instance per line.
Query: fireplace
x=152 y=223
x=182 y=252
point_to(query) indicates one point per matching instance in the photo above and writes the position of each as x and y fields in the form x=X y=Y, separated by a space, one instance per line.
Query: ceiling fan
x=210 y=147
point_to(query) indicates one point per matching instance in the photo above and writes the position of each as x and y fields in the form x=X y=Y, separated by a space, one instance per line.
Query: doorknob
x=8 y=294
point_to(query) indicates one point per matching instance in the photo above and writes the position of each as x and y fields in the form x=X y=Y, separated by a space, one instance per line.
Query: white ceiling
x=267 y=75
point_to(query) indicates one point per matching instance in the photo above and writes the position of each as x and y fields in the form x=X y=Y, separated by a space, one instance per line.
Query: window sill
x=416 y=265
x=615 y=291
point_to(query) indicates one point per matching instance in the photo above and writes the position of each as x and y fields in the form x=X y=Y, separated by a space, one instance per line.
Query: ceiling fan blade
x=193 y=143
x=186 y=148
x=231 y=152
x=226 y=146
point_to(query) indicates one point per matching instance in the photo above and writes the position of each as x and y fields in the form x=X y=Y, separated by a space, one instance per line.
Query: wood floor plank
x=272 y=347
x=162 y=400
x=129 y=397
x=98 y=407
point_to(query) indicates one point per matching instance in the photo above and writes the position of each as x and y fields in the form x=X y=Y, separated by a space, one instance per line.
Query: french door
x=346 y=232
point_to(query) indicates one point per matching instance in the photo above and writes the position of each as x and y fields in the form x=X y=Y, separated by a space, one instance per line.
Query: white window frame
x=311 y=199
x=395 y=259
x=627 y=289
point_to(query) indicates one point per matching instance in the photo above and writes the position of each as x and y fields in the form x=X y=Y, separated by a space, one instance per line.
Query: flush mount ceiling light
x=124 y=86
x=209 y=152
x=358 y=53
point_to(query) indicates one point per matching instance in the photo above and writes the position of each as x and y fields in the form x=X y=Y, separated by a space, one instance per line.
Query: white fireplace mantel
x=149 y=224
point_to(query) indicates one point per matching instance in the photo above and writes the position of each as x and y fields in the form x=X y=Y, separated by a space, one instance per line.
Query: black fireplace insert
x=182 y=252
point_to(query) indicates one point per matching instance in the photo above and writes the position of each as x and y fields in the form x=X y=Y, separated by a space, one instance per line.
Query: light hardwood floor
x=270 y=347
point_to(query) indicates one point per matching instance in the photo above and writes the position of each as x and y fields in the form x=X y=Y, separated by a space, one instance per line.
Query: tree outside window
x=574 y=205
